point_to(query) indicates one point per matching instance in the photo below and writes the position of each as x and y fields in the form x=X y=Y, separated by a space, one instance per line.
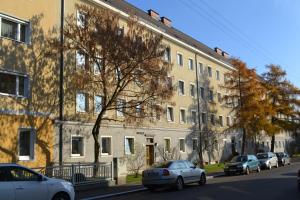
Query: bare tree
x=170 y=154
x=123 y=65
x=136 y=161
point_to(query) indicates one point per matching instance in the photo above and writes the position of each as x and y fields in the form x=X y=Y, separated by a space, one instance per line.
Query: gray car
x=175 y=173
x=283 y=158
x=267 y=160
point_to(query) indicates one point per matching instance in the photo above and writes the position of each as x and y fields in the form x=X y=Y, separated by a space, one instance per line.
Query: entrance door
x=150 y=154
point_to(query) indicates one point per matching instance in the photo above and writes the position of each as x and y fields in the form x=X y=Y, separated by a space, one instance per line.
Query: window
x=181 y=145
x=200 y=68
x=77 y=146
x=195 y=144
x=167 y=55
x=203 y=118
x=209 y=71
x=167 y=146
x=181 y=87
x=97 y=66
x=13 y=84
x=192 y=90
x=81 y=102
x=170 y=114
x=202 y=92
x=212 y=119
x=217 y=75
x=121 y=103
x=129 y=145
x=219 y=97
x=179 y=59
x=21 y=174
x=80 y=60
x=169 y=82
x=191 y=64
x=98 y=104
x=81 y=19
x=106 y=145
x=182 y=116
x=138 y=109
x=119 y=75
x=211 y=95
x=221 y=120
x=228 y=121
x=26 y=144
x=14 y=29
x=194 y=117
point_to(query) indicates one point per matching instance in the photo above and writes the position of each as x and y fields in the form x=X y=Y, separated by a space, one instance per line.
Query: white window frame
x=83 y=149
x=78 y=54
x=167 y=138
x=80 y=23
x=184 y=146
x=193 y=96
x=170 y=55
x=121 y=113
x=26 y=85
x=19 y=22
x=192 y=121
x=86 y=102
x=180 y=116
x=191 y=67
x=111 y=145
x=211 y=71
x=169 y=120
x=177 y=59
x=201 y=70
x=129 y=137
x=179 y=92
x=31 y=155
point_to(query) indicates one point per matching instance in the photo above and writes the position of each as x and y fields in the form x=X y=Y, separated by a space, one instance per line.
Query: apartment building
x=30 y=125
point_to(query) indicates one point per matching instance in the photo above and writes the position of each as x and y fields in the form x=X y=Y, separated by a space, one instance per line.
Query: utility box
x=120 y=170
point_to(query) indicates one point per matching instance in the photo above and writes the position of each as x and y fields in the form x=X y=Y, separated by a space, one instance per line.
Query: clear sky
x=259 y=32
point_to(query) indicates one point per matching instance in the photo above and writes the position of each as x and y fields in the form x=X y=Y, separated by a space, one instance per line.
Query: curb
x=133 y=191
x=115 y=194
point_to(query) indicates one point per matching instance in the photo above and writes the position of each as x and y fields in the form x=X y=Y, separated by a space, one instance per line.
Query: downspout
x=199 y=119
x=61 y=83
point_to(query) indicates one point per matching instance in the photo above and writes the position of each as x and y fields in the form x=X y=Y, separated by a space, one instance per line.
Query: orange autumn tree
x=246 y=96
x=283 y=97
x=123 y=65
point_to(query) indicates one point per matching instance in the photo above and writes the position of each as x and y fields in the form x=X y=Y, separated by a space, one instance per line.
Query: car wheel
x=61 y=196
x=202 y=179
x=247 y=171
x=179 y=183
x=258 y=169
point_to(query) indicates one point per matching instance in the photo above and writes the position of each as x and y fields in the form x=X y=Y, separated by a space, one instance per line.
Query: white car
x=21 y=183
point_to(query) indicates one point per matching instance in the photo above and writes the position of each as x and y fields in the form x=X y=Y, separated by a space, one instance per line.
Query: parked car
x=267 y=160
x=175 y=173
x=283 y=158
x=18 y=183
x=242 y=164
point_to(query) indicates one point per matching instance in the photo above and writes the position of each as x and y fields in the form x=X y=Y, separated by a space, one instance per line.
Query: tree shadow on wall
x=38 y=109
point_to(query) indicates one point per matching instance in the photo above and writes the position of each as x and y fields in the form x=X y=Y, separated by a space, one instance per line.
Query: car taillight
x=165 y=172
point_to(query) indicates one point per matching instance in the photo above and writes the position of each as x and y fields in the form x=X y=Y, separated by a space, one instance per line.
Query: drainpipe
x=61 y=83
x=199 y=119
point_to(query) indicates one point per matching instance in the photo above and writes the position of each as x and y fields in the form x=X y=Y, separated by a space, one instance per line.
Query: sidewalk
x=105 y=192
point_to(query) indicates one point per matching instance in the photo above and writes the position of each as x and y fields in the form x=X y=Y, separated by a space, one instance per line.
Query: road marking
x=114 y=194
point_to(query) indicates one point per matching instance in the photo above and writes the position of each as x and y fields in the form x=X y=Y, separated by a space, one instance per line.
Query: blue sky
x=259 y=32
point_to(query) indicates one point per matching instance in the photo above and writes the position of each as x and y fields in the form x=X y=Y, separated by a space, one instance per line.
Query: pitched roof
x=129 y=8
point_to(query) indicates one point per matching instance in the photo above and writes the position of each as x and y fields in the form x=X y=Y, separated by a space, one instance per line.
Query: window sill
x=25 y=158
x=14 y=40
x=77 y=156
x=106 y=154
x=13 y=95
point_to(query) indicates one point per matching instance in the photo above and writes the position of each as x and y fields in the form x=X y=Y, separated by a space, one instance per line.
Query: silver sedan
x=173 y=173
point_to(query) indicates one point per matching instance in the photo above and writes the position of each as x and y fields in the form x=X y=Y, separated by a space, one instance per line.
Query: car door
x=27 y=185
x=6 y=187
x=184 y=171
x=251 y=163
x=193 y=173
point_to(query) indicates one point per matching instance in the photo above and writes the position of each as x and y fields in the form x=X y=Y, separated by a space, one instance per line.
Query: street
x=278 y=183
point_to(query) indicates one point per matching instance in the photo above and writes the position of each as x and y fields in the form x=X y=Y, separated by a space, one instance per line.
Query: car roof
x=9 y=165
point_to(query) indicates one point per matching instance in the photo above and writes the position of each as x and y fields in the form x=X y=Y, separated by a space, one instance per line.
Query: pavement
x=118 y=190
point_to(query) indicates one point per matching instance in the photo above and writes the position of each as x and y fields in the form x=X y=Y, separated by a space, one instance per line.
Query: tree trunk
x=95 y=133
x=272 y=142
x=243 y=142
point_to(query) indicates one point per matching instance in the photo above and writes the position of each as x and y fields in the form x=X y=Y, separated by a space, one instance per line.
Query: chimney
x=218 y=51
x=225 y=55
x=153 y=14
x=166 y=21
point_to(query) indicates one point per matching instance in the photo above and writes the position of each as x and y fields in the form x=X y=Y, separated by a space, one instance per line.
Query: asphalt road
x=278 y=184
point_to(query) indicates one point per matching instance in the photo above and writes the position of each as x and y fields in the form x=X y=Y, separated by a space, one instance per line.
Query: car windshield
x=162 y=165
x=239 y=159
x=279 y=154
x=262 y=156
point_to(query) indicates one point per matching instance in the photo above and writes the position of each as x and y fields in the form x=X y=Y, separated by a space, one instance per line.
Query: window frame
x=184 y=147
x=31 y=156
x=111 y=144
x=118 y=112
x=192 y=121
x=179 y=62
x=209 y=71
x=173 y=115
x=17 y=82
x=129 y=137
x=221 y=122
x=83 y=148
x=96 y=112
x=194 y=91
x=218 y=75
x=181 y=121
x=167 y=138
x=191 y=64
x=179 y=92
x=86 y=102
